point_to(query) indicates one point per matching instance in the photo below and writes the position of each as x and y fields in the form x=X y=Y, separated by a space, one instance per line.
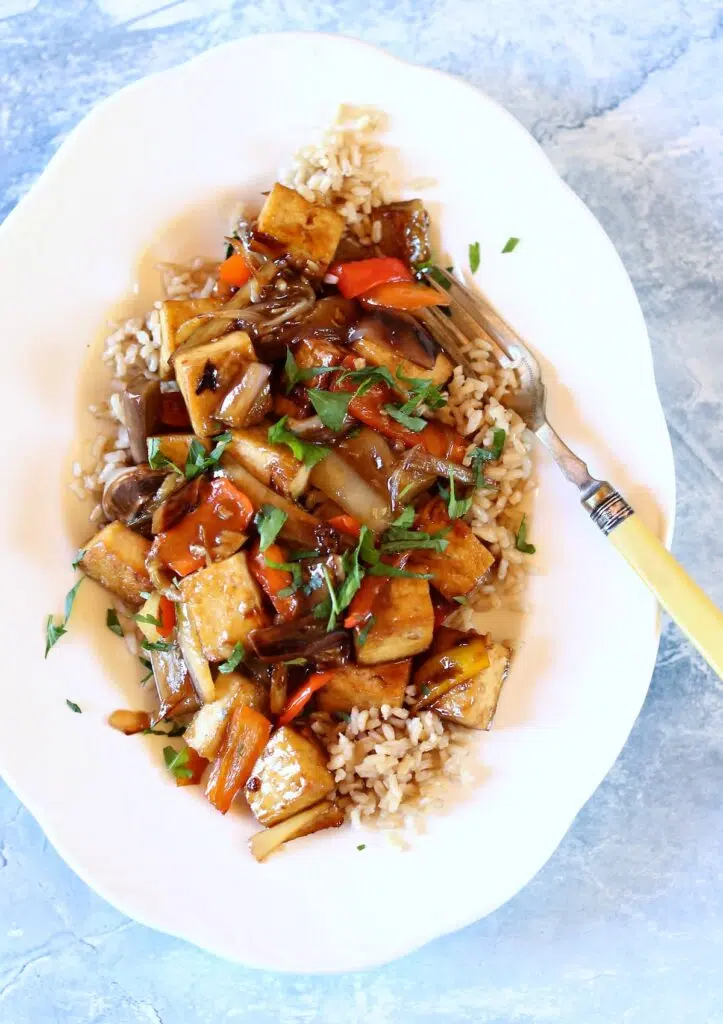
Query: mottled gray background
x=625 y=923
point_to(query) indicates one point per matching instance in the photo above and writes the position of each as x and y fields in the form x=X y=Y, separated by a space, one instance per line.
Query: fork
x=473 y=316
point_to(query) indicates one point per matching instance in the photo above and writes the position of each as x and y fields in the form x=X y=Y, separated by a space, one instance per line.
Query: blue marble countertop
x=625 y=923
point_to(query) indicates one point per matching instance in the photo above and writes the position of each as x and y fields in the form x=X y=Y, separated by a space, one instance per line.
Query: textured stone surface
x=626 y=920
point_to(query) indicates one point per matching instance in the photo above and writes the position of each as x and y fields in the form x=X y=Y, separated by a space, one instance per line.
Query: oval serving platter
x=152 y=174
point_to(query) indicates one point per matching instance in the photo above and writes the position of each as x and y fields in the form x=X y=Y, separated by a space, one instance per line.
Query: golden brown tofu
x=403 y=623
x=290 y=775
x=360 y=686
x=175 y=446
x=206 y=374
x=116 y=558
x=205 y=731
x=380 y=353
x=314 y=352
x=224 y=605
x=474 y=702
x=309 y=232
x=173 y=313
x=176 y=695
x=458 y=568
x=272 y=464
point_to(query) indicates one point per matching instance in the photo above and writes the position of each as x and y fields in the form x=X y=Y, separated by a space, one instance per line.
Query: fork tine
x=448 y=335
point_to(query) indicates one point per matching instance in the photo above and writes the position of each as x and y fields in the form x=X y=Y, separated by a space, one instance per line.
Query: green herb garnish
x=297 y=578
x=457 y=507
x=367 y=377
x=511 y=244
x=113 y=622
x=73 y=706
x=474 y=257
x=150 y=619
x=382 y=569
x=295 y=661
x=521 y=539
x=199 y=461
x=362 y=846
x=405 y=519
x=330 y=406
x=307 y=453
x=176 y=730
x=149 y=669
x=156 y=458
x=415 y=423
x=397 y=540
x=300 y=556
x=361 y=637
x=78 y=558
x=492 y=454
x=176 y=761
x=235 y=658
x=157 y=645
x=435 y=273
x=268 y=520
x=295 y=373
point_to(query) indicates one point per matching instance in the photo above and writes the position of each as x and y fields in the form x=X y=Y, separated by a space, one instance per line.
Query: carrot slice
x=235 y=270
x=301 y=697
x=404 y=295
x=246 y=736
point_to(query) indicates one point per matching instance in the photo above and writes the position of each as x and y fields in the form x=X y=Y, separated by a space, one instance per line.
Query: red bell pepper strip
x=301 y=697
x=223 y=508
x=247 y=734
x=361 y=275
x=404 y=295
x=273 y=581
x=234 y=270
x=363 y=601
x=167 y=616
x=346 y=524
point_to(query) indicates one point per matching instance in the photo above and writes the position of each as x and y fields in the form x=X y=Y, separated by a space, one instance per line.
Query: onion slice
x=322 y=815
x=198 y=668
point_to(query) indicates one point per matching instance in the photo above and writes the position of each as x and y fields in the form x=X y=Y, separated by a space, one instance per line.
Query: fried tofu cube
x=175 y=447
x=360 y=686
x=272 y=464
x=380 y=353
x=116 y=558
x=224 y=605
x=474 y=702
x=205 y=731
x=403 y=623
x=290 y=774
x=172 y=314
x=460 y=567
x=309 y=232
x=207 y=373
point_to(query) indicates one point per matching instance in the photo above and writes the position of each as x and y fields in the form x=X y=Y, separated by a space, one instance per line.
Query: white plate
x=151 y=174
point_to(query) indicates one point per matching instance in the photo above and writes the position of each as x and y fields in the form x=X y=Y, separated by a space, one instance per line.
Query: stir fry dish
x=290 y=534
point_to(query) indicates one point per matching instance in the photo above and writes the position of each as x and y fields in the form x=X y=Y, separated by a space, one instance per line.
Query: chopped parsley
x=234 y=659
x=331 y=406
x=150 y=619
x=176 y=730
x=367 y=377
x=405 y=519
x=474 y=257
x=73 y=706
x=148 y=667
x=295 y=373
x=268 y=521
x=78 y=558
x=521 y=539
x=426 y=690
x=511 y=244
x=435 y=273
x=362 y=846
x=480 y=455
x=420 y=391
x=457 y=507
x=297 y=578
x=307 y=453
x=361 y=637
x=415 y=423
x=176 y=762
x=395 y=540
x=113 y=622
x=157 y=645
x=199 y=461
x=382 y=569
x=156 y=458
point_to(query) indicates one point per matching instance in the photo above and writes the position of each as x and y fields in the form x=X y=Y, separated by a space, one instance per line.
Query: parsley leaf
x=297 y=578
x=354 y=572
x=474 y=257
x=367 y=377
x=78 y=558
x=53 y=633
x=198 y=461
x=395 y=540
x=434 y=272
x=405 y=519
x=415 y=423
x=295 y=373
x=331 y=406
x=113 y=622
x=157 y=645
x=268 y=521
x=382 y=569
x=176 y=761
x=156 y=458
x=362 y=846
x=300 y=556
x=235 y=658
x=175 y=730
x=511 y=244
x=457 y=507
x=150 y=619
x=421 y=390
x=307 y=453
x=70 y=600
x=521 y=539
x=361 y=637
x=490 y=454
x=149 y=669
x=333 y=599
x=73 y=706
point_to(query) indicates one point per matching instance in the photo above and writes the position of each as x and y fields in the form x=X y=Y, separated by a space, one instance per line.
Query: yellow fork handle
x=683 y=599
